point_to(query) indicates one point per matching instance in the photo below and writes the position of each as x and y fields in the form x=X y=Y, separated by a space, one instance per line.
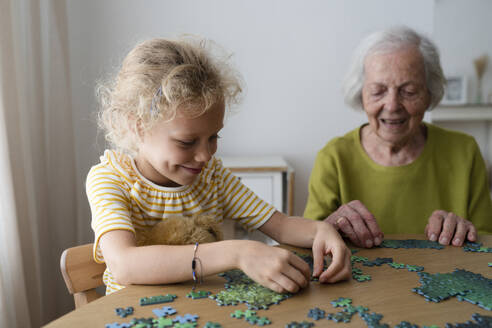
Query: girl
x=163 y=114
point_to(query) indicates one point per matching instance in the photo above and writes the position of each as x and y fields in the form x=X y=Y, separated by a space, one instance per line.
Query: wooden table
x=388 y=293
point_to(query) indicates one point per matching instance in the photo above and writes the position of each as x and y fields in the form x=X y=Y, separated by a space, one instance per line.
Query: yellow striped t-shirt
x=122 y=199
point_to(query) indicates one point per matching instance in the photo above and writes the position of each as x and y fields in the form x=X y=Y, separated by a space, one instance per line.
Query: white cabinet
x=270 y=178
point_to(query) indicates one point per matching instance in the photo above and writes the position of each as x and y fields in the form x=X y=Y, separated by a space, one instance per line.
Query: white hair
x=389 y=40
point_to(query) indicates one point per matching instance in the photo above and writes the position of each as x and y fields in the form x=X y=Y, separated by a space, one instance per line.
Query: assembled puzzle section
x=239 y=288
x=465 y=285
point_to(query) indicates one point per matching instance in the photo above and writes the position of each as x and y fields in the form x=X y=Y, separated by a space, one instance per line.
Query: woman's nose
x=392 y=101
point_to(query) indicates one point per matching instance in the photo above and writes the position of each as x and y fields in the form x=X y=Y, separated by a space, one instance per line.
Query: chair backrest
x=81 y=273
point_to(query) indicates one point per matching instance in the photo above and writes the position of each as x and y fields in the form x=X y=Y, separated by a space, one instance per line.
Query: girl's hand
x=357 y=223
x=328 y=241
x=447 y=227
x=273 y=267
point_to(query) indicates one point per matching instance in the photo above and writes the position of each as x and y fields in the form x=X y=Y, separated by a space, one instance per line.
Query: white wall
x=463 y=32
x=292 y=54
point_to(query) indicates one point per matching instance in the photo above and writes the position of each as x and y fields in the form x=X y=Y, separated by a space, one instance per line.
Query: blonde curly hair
x=160 y=77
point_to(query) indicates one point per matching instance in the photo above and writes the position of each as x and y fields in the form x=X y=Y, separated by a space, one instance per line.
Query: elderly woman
x=397 y=174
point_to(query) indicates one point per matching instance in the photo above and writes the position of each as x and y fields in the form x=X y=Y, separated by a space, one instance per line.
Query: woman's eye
x=408 y=93
x=377 y=91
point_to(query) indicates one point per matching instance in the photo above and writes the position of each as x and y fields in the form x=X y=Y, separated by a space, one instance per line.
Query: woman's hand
x=447 y=227
x=273 y=267
x=357 y=223
x=328 y=242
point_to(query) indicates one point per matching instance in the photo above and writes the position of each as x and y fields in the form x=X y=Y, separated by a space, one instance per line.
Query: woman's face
x=394 y=94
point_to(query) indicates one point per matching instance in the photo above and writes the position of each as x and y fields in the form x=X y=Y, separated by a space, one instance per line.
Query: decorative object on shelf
x=456 y=91
x=480 y=64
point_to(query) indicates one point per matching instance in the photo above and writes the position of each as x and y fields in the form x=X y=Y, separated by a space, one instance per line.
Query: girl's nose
x=203 y=153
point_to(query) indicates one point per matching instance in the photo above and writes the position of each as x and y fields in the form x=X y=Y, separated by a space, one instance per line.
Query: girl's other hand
x=328 y=242
x=273 y=267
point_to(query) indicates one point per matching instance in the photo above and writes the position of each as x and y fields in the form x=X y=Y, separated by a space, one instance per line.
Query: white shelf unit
x=271 y=178
x=463 y=113
x=474 y=119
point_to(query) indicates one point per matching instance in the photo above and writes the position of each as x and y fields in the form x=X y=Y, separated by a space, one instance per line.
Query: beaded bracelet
x=194 y=266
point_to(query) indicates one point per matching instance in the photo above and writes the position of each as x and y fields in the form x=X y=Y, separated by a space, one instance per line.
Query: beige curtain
x=37 y=162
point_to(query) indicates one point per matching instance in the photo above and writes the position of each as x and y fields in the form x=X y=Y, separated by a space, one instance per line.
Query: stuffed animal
x=182 y=230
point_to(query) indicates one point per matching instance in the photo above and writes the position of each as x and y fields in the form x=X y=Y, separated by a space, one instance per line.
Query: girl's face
x=173 y=153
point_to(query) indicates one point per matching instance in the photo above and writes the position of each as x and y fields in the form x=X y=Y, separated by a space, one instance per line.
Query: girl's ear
x=136 y=127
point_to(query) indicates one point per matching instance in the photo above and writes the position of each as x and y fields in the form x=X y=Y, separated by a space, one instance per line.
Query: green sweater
x=448 y=175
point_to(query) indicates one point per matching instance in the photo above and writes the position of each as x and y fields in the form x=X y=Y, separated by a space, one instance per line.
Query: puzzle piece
x=410 y=243
x=340 y=316
x=310 y=261
x=378 y=261
x=372 y=320
x=341 y=302
x=241 y=314
x=143 y=322
x=185 y=325
x=124 y=312
x=406 y=324
x=481 y=321
x=117 y=325
x=263 y=321
x=397 y=265
x=157 y=299
x=362 y=277
x=316 y=313
x=186 y=318
x=197 y=295
x=476 y=247
x=252 y=319
x=468 y=286
x=358 y=259
x=211 y=324
x=414 y=268
x=164 y=322
x=295 y=324
x=164 y=311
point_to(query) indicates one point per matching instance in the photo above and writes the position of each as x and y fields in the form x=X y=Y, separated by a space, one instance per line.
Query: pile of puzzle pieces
x=242 y=289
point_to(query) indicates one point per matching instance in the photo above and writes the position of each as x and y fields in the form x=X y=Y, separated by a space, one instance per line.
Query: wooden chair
x=81 y=273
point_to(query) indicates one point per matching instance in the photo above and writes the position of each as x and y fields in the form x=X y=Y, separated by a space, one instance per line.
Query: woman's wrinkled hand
x=449 y=228
x=358 y=224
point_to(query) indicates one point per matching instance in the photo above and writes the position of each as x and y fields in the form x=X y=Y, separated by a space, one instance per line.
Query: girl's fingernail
x=433 y=237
